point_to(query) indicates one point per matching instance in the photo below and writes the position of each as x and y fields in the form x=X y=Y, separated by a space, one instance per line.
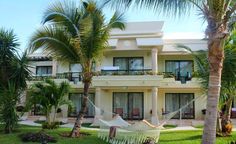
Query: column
x=154 y=60
x=98 y=101
x=154 y=117
x=54 y=68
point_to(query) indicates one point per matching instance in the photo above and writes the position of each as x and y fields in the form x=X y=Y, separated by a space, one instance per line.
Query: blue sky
x=24 y=16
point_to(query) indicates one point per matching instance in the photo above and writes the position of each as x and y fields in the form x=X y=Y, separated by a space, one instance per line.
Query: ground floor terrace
x=137 y=103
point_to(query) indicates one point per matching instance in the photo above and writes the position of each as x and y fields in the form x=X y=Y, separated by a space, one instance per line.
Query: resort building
x=141 y=76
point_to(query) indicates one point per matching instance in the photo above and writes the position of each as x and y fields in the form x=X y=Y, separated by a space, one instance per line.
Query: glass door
x=76 y=99
x=135 y=105
x=188 y=112
x=128 y=105
x=120 y=104
x=175 y=101
x=172 y=104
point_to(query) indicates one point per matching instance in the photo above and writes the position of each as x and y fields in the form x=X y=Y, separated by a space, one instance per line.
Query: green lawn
x=167 y=137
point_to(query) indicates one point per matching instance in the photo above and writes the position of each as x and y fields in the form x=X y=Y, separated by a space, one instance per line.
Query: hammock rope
x=127 y=133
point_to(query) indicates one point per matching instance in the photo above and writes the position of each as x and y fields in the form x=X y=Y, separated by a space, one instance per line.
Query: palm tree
x=228 y=80
x=49 y=96
x=76 y=34
x=217 y=14
x=13 y=75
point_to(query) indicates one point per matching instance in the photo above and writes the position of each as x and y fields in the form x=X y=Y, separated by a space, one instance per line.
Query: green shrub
x=53 y=125
x=37 y=137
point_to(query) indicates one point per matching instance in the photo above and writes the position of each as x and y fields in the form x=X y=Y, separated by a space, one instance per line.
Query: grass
x=190 y=137
x=15 y=139
x=169 y=126
x=167 y=137
x=199 y=126
x=88 y=125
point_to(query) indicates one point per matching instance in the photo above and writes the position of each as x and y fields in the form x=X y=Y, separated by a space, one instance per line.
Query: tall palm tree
x=228 y=80
x=13 y=75
x=217 y=14
x=49 y=96
x=76 y=34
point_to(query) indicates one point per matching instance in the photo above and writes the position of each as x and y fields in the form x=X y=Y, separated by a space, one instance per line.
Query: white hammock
x=127 y=133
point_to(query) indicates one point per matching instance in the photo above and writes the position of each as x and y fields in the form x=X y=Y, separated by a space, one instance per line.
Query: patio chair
x=119 y=111
x=135 y=113
x=188 y=113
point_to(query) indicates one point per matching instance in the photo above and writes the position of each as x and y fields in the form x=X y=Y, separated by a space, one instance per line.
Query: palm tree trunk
x=215 y=57
x=48 y=117
x=76 y=129
x=228 y=109
x=226 y=119
x=55 y=114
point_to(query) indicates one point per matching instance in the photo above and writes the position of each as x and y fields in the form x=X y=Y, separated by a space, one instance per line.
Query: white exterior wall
x=138 y=40
x=33 y=65
x=146 y=54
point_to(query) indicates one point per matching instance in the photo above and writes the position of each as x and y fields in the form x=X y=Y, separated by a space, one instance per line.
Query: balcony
x=71 y=76
x=178 y=77
x=127 y=72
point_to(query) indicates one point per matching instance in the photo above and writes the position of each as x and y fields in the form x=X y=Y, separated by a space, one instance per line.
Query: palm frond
x=201 y=61
x=21 y=71
x=66 y=14
x=56 y=42
x=168 y=7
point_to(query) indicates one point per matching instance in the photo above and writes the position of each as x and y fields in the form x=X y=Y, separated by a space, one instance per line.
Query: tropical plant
x=217 y=14
x=76 y=34
x=49 y=96
x=228 y=80
x=13 y=75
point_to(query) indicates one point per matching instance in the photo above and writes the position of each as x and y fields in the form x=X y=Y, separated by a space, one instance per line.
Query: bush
x=53 y=125
x=43 y=121
x=37 y=137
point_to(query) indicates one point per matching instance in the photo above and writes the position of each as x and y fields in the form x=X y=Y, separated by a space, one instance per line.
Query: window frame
x=192 y=94
x=179 y=61
x=85 y=116
x=128 y=103
x=47 y=67
x=127 y=60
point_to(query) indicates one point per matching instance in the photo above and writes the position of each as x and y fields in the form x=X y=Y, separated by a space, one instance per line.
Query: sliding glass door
x=76 y=99
x=175 y=101
x=128 y=105
x=129 y=65
x=181 y=69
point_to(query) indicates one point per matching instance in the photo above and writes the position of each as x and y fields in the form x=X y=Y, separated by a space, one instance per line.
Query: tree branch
x=197 y=5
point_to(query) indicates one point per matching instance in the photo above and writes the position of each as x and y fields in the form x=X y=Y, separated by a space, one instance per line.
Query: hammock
x=132 y=134
x=126 y=133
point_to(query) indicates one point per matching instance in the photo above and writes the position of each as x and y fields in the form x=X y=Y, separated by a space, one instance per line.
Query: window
x=43 y=70
x=175 y=101
x=128 y=105
x=76 y=98
x=129 y=63
x=181 y=69
x=75 y=70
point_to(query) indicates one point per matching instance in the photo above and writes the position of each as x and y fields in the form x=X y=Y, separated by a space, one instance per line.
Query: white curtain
x=121 y=101
x=175 y=101
x=76 y=98
x=128 y=102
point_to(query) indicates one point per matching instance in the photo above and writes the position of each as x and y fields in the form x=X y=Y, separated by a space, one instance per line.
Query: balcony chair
x=164 y=113
x=119 y=111
x=135 y=113
x=188 y=113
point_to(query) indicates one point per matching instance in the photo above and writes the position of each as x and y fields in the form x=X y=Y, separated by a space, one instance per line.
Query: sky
x=24 y=17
